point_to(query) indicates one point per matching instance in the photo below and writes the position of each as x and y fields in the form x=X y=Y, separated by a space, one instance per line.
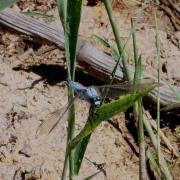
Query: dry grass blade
x=162 y=135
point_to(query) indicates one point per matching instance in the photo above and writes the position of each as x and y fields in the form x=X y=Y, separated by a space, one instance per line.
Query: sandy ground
x=24 y=154
x=28 y=98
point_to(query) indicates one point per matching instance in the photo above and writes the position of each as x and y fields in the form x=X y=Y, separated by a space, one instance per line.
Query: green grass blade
x=92 y=176
x=79 y=153
x=71 y=25
x=153 y=162
x=138 y=111
x=62 y=7
x=102 y=41
x=107 y=111
x=6 y=3
x=158 y=94
x=105 y=44
x=71 y=33
x=83 y=144
x=118 y=39
x=71 y=134
x=70 y=14
x=163 y=165
x=35 y=14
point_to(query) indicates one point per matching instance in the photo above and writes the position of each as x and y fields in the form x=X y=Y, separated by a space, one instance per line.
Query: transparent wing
x=115 y=90
x=53 y=119
x=171 y=106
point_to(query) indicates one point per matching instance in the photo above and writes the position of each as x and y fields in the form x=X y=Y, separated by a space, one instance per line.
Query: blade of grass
x=120 y=42
x=155 y=165
x=79 y=152
x=71 y=33
x=106 y=44
x=138 y=111
x=106 y=111
x=100 y=115
x=102 y=41
x=70 y=14
x=92 y=176
x=6 y=3
x=71 y=132
x=118 y=39
x=158 y=94
x=36 y=14
x=165 y=140
x=82 y=145
x=163 y=164
x=124 y=60
x=161 y=160
x=62 y=8
x=138 y=108
x=142 y=152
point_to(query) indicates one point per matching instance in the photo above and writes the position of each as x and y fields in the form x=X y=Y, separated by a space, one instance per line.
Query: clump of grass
x=70 y=13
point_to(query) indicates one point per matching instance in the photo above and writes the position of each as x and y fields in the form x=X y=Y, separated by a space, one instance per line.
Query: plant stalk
x=120 y=44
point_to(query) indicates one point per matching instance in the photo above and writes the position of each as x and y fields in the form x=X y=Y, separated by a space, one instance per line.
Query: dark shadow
x=52 y=74
x=131 y=124
x=92 y=2
x=168 y=119
x=150 y=172
x=31 y=44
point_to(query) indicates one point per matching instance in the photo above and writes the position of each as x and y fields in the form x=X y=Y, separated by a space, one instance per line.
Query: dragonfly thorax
x=88 y=93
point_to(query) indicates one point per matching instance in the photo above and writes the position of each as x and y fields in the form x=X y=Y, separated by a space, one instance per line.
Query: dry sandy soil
x=33 y=86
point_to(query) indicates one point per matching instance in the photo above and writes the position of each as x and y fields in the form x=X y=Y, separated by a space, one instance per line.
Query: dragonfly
x=92 y=94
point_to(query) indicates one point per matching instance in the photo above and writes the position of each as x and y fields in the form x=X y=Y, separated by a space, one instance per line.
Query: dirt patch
x=23 y=154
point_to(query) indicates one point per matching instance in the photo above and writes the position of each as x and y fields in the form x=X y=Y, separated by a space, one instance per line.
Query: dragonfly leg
x=91 y=113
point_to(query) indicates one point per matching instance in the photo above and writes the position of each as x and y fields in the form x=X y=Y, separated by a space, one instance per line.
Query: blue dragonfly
x=92 y=94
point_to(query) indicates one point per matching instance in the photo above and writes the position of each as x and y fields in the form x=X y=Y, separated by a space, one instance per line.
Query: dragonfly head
x=96 y=101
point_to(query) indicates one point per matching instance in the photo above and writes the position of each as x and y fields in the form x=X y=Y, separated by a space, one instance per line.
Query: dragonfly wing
x=171 y=106
x=53 y=119
x=116 y=90
x=46 y=125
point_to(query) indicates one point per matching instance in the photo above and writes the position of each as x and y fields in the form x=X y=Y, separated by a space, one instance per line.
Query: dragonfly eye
x=97 y=101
